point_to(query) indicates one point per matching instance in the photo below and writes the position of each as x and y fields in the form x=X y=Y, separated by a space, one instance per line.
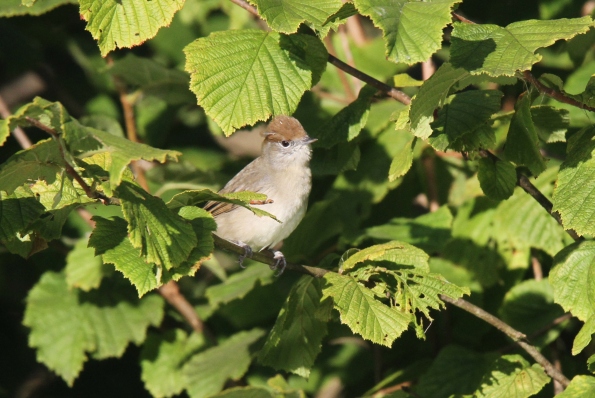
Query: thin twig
x=348 y=55
x=69 y=169
x=131 y=132
x=462 y=18
x=266 y=257
x=342 y=75
x=523 y=182
x=385 y=88
x=555 y=94
x=514 y=334
x=537 y=270
x=18 y=133
x=171 y=293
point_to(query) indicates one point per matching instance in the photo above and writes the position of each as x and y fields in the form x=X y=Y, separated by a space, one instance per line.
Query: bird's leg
x=247 y=252
x=279 y=261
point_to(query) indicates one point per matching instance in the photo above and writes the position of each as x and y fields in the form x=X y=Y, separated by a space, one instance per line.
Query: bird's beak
x=307 y=140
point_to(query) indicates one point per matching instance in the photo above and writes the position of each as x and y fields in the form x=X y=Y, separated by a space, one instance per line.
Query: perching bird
x=282 y=173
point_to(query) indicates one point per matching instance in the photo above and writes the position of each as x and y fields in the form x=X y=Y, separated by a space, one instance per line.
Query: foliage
x=470 y=184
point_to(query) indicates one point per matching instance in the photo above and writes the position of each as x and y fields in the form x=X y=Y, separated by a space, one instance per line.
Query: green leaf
x=429 y=232
x=285 y=16
x=512 y=376
x=243 y=198
x=497 y=178
x=412 y=29
x=239 y=284
x=110 y=240
x=456 y=370
x=497 y=51
x=84 y=141
x=67 y=324
x=522 y=221
x=402 y=161
x=529 y=307
x=246 y=392
x=573 y=196
x=335 y=160
x=207 y=371
x=16 y=214
x=12 y=8
x=583 y=337
x=348 y=122
x=84 y=270
x=116 y=24
x=571 y=276
x=153 y=78
x=580 y=386
x=363 y=312
x=464 y=114
x=295 y=341
x=162 y=236
x=551 y=123
x=243 y=76
x=335 y=20
x=431 y=95
x=397 y=252
x=522 y=143
x=162 y=358
x=42 y=161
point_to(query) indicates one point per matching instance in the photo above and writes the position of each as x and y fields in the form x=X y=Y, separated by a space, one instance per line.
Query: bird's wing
x=236 y=184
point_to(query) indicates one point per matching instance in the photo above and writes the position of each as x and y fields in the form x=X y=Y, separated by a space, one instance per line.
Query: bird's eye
x=285 y=143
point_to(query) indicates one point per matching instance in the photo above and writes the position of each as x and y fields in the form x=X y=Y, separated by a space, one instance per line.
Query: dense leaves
x=472 y=186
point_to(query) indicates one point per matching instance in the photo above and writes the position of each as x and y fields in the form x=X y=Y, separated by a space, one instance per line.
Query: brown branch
x=18 y=133
x=342 y=75
x=266 y=257
x=555 y=94
x=518 y=337
x=385 y=88
x=171 y=293
x=462 y=18
x=523 y=182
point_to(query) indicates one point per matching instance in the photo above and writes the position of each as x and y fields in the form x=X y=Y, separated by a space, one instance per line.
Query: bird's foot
x=247 y=253
x=280 y=262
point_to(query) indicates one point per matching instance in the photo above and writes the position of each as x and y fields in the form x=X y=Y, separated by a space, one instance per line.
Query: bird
x=283 y=174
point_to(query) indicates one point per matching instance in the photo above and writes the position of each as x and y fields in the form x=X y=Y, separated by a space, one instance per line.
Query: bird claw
x=247 y=253
x=279 y=261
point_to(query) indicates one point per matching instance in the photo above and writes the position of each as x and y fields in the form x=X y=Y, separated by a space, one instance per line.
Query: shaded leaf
x=67 y=324
x=295 y=341
x=497 y=178
x=512 y=376
x=522 y=143
x=84 y=270
x=497 y=51
x=239 y=284
x=580 y=386
x=207 y=371
x=412 y=30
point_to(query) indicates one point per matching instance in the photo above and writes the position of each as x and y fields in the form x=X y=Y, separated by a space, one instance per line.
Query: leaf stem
x=518 y=337
x=555 y=94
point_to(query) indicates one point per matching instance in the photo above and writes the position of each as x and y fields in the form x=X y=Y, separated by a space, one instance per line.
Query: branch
x=555 y=94
x=523 y=182
x=18 y=133
x=266 y=257
x=518 y=337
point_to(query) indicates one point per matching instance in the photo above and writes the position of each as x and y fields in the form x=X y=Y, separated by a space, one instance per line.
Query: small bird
x=282 y=173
